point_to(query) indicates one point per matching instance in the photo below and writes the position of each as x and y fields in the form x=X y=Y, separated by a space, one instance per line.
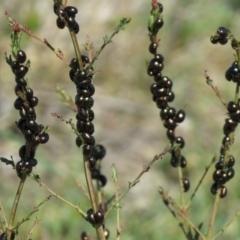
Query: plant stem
x=34 y=226
x=137 y=179
x=106 y=43
x=90 y=187
x=115 y=179
x=76 y=49
x=201 y=180
x=42 y=184
x=214 y=213
x=99 y=229
x=181 y=188
x=180 y=177
x=15 y=25
x=3 y=219
x=15 y=203
x=35 y=209
x=227 y=225
x=193 y=226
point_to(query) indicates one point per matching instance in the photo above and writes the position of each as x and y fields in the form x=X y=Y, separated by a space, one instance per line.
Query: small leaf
x=114 y=175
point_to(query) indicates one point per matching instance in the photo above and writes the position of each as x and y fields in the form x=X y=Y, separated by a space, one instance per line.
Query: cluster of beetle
x=66 y=15
x=82 y=78
x=162 y=93
x=224 y=167
x=33 y=132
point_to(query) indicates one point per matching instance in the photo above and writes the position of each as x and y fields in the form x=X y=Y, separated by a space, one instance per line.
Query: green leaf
x=114 y=171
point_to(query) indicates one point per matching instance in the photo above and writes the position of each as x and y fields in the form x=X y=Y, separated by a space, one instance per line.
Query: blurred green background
x=126 y=120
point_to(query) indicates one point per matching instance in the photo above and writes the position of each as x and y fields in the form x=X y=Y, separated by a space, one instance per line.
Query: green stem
x=42 y=184
x=193 y=226
x=101 y=48
x=77 y=49
x=90 y=187
x=99 y=229
x=35 y=209
x=201 y=180
x=226 y=226
x=214 y=213
x=180 y=178
x=118 y=211
x=26 y=30
x=3 y=219
x=15 y=204
x=137 y=179
x=181 y=188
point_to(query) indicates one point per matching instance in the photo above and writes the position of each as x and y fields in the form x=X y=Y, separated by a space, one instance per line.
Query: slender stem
x=32 y=228
x=181 y=188
x=17 y=26
x=173 y=207
x=227 y=225
x=209 y=81
x=83 y=189
x=15 y=203
x=35 y=209
x=77 y=49
x=214 y=213
x=42 y=184
x=90 y=187
x=137 y=179
x=180 y=178
x=193 y=226
x=101 y=48
x=118 y=220
x=99 y=229
x=107 y=41
x=115 y=179
x=201 y=180
x=3 y=219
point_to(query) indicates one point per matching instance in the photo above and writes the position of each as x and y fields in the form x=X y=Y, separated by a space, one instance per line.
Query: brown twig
x=17 y=27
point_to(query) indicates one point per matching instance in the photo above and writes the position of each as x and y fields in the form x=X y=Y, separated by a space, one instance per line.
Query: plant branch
x=17 y=27
x=192 y=225
x=107 y=40
x=82 y=188
x=99 y=229
x=3 y=219
x=137 y=179
x=35 y=224
x=66 y=98
x=15 y=203
x=35 y=209
x=201 y=180
x=90 y=185
x=227 y=225
x=174 y=208
x=76 y=49
x=114 y=177
x=209 y=81
x=37 y=179
x=213 y=216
